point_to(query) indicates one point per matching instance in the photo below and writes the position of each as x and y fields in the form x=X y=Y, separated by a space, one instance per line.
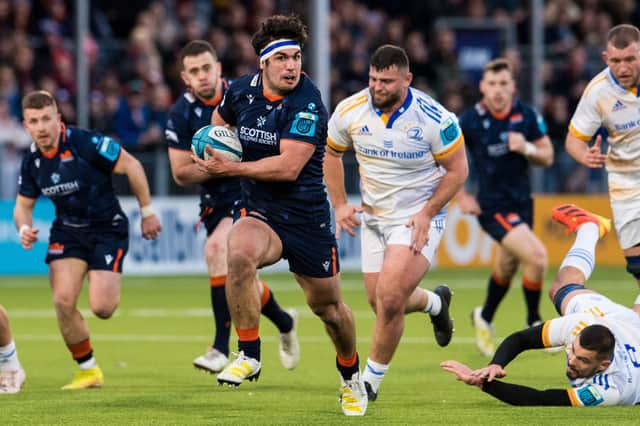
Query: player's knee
x=214 y=250
x=104 y=309
x=538 y=259
x=64 y=303
x=633 y=266
x=327 y=312
x=240 y=265
x=390 y=305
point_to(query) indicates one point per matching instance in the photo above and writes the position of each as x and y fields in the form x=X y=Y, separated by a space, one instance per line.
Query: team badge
x=304 y=124
x=415 y=134
x=449 y=131
x=55 y=178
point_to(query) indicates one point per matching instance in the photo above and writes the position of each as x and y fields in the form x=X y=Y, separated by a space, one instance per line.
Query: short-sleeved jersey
x=605 y=103
x=262 y=121
x=397 y=154
x=503 y=175
x=186 y=117
x=619 y=384
x=76 y=177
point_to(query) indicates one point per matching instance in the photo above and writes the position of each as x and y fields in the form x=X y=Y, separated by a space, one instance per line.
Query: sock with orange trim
x=532 y=291
x=221 y=315
x=249 y=342
x=82 y=353
x=496 y=291
x=348 y=366
x=274 y=312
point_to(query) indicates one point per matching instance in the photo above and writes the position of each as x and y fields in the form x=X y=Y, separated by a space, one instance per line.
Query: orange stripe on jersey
x=575 y=132
x=270 y=97
x=573 y=397
x=335 y=146
x=80 y=349
x=546 y=340
x=243 y=212
x=247 y=334
x=384 y=118
x=457 y=144
x=531 y=285
x=217 y=281
x=266 y=293
x=118 y=259
x=502 y=221
x=334 y=262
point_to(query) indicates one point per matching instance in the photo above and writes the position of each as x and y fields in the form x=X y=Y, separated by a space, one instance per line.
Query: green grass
x=146 y=351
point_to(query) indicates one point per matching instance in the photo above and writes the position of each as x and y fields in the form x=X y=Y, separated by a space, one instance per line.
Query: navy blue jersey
x=262 y=122
x=187 y=116
x=503 y=176
x=76 y=177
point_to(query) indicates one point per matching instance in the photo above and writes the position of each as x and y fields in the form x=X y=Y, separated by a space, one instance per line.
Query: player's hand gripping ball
x=220 y=138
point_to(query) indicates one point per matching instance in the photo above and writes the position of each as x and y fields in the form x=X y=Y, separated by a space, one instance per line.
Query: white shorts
x=624 y=191
x=375 y=236
x=599 y=305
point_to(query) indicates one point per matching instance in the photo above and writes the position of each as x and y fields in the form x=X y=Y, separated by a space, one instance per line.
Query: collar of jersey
x=62 y=139
x=389 y=120
x=613 y=79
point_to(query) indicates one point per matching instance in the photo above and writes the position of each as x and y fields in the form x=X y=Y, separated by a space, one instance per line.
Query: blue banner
x=14 y=260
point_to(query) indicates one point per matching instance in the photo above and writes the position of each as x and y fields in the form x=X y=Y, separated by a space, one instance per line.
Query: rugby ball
x=220 y=138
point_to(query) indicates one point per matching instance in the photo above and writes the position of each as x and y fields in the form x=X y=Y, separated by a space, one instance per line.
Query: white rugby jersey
x=397 y=155
x=620 y=383
x=606 y=103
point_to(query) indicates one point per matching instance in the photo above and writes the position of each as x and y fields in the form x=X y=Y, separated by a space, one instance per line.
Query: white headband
x=276 y=46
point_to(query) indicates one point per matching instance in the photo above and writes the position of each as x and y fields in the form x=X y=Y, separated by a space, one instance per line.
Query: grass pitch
x=146 y=350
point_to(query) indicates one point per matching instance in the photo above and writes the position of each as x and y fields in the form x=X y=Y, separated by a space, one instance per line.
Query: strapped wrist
x=146 y=211
x=23 y=228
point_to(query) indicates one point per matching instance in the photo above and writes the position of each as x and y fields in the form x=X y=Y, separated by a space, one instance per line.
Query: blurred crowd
x=134 y=71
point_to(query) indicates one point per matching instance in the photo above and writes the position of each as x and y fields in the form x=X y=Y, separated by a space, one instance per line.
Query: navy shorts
x=310 y=248
x=498 y=220
x=102 y=247
x=212 y=215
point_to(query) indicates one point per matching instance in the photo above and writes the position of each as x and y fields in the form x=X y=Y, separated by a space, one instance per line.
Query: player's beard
x=391 y=100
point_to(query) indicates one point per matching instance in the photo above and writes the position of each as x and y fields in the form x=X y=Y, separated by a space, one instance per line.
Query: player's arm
x=185 y=172
x=538 y=152
x=452 y=182
x=285 y=167
x=520 y=341
x=130 y=166
x=345 y=213
x=523 y=395
x=23 y=219
x=579 y=149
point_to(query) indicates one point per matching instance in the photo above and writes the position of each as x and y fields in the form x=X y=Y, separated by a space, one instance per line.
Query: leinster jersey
x=187 y=116
x=397 y=154
x=503 y=176
x=76 y=177
x=619 y=384
x=262 y=121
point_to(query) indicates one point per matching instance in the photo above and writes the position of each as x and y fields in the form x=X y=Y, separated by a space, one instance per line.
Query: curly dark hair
x=279 y=26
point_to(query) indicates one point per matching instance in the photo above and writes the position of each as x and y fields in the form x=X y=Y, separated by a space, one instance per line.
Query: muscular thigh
x=104 y=286
x=523 y=244
x=253 y=237
x=67 y=276
x=402 y=271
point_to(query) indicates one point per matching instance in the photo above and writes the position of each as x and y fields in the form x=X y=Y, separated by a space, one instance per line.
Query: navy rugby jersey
x=502 y=175
x=261 y=123
x=187 y=116
x=76 y=177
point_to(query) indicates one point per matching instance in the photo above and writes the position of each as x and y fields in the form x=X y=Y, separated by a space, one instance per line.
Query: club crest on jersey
x=55 y=178
x=304 y=124
x=415 y=134
x=198 y=111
